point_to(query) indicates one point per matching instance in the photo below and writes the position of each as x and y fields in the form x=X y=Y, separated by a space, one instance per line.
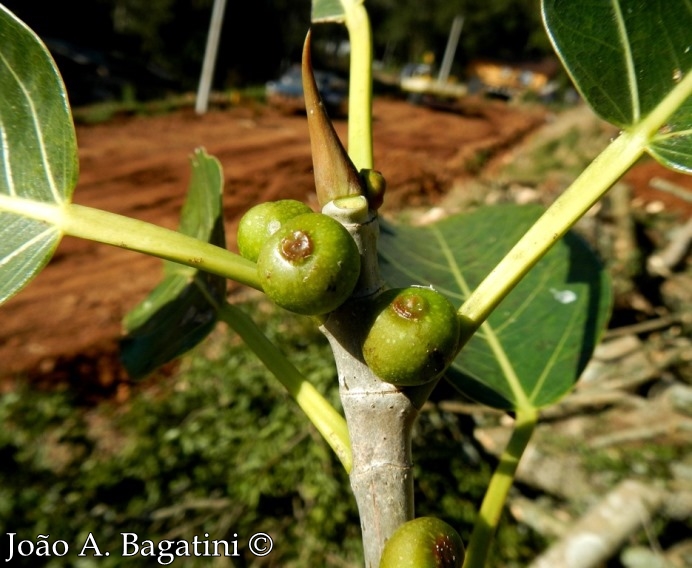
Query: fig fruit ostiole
x=262 y=221
x=425 y=542
x=310 y=265
x=413 y=336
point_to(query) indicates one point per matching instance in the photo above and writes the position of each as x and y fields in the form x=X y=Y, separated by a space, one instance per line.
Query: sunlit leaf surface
x=327 y=11
x=38 y=150
x=625 y=57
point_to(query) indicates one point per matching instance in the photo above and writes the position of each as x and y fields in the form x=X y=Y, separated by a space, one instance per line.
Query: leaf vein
x=37 y=130
x=7 y=166
x=27 y=245
x=629 y=62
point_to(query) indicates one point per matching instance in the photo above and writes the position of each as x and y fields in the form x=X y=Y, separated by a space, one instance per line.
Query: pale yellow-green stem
x=133 y=234
x=498 y=489
x=321 y=413
x=360 y=143
x=586 y=190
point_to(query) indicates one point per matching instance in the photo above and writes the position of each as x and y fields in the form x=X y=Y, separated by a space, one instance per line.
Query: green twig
x=321 y=413
x=498 y=489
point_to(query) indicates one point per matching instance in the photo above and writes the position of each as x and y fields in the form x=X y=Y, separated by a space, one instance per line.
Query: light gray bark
x=379 y=416
x=379 y=420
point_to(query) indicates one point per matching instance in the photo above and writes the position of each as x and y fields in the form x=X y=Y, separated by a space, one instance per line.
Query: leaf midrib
x=491 y=338
x=629 y=62
x=50 y=178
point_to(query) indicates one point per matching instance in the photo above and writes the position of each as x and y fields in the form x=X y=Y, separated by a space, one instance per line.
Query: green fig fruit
x=413 y=336
x=425 y=542
x=262 y=221
x=310 y=265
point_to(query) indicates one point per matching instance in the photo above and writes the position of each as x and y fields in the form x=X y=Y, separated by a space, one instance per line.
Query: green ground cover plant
x=531 y=298
x=195 y=447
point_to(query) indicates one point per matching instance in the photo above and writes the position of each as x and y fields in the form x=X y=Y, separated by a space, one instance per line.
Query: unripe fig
x=310 y=265
x=425 y=542
x=413 y=337
x=262 y=221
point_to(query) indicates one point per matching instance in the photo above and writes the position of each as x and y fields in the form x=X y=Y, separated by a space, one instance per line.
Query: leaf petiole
x=360 y=142
x=584 y=192
x=321 y=413
x=133 y=234
x=498 y=489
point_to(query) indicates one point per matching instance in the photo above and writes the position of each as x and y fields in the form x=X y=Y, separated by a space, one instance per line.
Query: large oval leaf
x=38 y=150
x=625 y=57
x=327 y=11
x=535 y=345
x=182 y=310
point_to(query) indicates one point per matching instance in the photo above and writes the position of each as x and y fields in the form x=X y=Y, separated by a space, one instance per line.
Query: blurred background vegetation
x=219 y=448
x=106 y=47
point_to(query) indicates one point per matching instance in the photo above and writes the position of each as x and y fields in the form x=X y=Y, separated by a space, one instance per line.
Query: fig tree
x=425 y=542
x=413 y=336
x=310 y=265
x=262 y=221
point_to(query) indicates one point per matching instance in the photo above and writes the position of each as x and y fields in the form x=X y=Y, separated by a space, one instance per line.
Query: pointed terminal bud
x=335 y=174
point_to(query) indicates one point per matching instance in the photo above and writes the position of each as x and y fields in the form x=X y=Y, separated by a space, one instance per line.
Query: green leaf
x=625 y=57
x=672 y=145
x=38 y=150
x=535 y=345
x=182 y=310
x=327 y=11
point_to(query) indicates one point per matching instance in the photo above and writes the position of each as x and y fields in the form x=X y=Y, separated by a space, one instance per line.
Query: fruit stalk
x=379 y=416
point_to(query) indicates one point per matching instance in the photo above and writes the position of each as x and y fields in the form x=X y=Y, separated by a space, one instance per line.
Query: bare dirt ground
x=66 y=323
